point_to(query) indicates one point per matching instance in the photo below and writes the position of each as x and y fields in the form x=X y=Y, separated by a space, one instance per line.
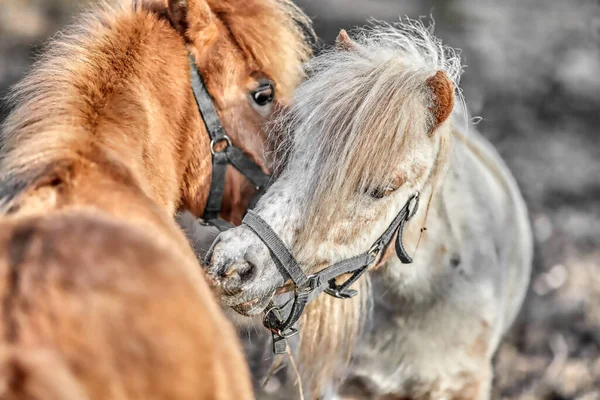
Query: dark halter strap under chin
x=307 y=287
x=220 y=158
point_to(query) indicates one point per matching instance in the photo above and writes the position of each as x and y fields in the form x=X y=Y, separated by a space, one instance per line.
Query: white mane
x=359 y=110
x=415 y=43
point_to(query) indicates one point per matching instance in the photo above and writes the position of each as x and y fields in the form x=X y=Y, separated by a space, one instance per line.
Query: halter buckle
x=288 y=334
x=272 y=312
x=283 y=334
x=375 y=249
x=213 y=142
x=341 y=294
x=313 y=282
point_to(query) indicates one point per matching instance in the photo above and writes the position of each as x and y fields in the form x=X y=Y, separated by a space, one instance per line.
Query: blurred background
x=533 y=80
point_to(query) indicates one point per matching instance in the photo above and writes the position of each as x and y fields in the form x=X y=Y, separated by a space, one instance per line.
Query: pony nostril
x=239 y=272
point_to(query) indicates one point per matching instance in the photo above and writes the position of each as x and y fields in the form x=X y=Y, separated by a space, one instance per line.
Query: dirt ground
x=533 y=77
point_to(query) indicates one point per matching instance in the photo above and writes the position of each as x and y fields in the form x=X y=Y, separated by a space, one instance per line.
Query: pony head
x=367 y=130
x=120 y=79
x=250 y=55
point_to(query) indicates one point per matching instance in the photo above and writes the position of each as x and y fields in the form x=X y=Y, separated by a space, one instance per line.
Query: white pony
x=374 y=125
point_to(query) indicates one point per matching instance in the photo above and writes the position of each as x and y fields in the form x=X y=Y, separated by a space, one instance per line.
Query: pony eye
x=377 y=193
x=265 y=94
x=380 y=192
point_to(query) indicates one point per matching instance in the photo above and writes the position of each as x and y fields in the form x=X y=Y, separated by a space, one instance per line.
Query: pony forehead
x=275 y=36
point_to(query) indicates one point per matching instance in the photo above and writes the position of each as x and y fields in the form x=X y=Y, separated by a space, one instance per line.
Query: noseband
x=230 y=154
x=308 y=287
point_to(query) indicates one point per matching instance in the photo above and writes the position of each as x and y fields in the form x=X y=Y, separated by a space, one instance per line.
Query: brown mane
x=81 y=88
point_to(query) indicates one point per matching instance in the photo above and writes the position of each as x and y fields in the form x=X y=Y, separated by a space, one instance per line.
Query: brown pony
x=102 y=296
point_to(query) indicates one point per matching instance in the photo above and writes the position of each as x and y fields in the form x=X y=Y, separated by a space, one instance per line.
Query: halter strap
x=284 y=260
x=306 y=288
x=229 y=155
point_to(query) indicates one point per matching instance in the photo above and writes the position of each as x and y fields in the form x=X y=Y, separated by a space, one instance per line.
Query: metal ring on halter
x=213 y=142
x=291 y=331
x=268 y=312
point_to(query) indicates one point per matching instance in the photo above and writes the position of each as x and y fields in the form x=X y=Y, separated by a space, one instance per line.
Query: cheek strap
x=228 y=155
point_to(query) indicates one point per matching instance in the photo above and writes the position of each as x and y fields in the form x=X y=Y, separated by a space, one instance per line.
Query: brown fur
x=36 y=374
x=442 y=94
x=104 y=145
x=87 y=92
x=110 y=321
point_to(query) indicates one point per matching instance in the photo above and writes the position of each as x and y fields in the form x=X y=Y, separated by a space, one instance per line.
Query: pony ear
x=442 y=96
x=343 y=41
x=189 y=17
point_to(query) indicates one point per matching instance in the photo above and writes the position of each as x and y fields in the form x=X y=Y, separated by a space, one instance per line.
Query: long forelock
x=354 y=119
x=275 y=34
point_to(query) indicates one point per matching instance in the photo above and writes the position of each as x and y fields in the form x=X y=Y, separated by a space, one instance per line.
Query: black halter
x=228 y=155
x=306 y=287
